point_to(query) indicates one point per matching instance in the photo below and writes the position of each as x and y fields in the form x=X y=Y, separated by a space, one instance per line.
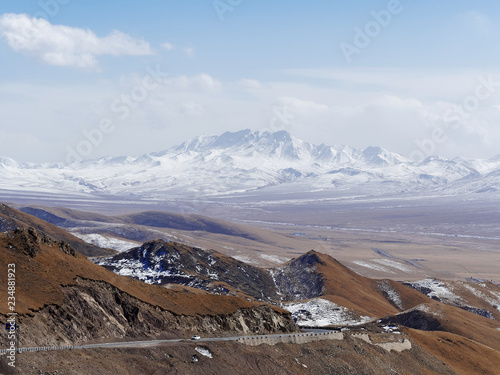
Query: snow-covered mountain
x=247 y=161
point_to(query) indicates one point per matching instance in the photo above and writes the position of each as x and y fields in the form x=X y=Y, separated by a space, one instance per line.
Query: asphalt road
x=143 y=344
x=149 y=343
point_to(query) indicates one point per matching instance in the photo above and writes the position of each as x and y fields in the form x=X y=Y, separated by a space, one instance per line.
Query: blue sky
x=261 y=65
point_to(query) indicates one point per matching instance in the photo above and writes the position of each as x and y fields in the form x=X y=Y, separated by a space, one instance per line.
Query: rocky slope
x=316 y=275
x=436 y=316
x=476 y=296
x=62 y=297
x=97 y=311
x=159 y=262
x=330 y=292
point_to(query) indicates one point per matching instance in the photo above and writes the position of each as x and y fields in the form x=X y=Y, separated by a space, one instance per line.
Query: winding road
x=150 y=343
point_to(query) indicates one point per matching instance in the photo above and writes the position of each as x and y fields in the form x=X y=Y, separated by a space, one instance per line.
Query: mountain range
x=251 y=162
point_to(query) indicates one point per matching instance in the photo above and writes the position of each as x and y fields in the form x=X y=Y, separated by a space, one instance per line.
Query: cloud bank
x=63 y=45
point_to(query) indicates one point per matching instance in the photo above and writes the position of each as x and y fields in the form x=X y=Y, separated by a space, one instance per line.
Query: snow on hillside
x=391 y=293
x=151 y=275
x=245 y=161
x=455 y=293
x=320 y=312
x=203 y=351
x=106 y=242
x=481 y=291
x=386 y=265
x=436 y=289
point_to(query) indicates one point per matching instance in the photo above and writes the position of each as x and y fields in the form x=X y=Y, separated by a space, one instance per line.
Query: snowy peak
x=246 y=143
x=8 y=162
x=231 y=140
x=378 y=157
x=249 y=161
x=282 y=145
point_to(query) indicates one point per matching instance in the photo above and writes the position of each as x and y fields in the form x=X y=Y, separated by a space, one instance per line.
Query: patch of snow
x=136 y=269
x=391 y=294
x=372 y=266
x=245 y=259
x=394 y=264
x=437 y=289
x=320 y=312
x=204 y=352
x=493 y=298
x=272 y=272
x=213 y=275
x=428 y=310
x=106 y=241
x=274 y=258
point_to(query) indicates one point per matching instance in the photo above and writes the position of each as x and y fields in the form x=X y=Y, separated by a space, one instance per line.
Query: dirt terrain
x=62 y=298
x=347 y=357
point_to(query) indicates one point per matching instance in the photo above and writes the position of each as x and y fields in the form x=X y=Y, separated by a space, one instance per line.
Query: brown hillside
x=44 y=266
x=436 y=316
x=367 y=296
x=464 y=356
x=11 y=219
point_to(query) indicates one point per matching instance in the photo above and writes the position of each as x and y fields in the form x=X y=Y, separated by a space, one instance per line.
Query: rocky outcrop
x=160 y=262
x=94 y=310
x=415 y=319
x=29 y=240
x=299 y=279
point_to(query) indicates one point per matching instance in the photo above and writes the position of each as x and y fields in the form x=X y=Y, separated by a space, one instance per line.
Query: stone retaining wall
x=299 y=338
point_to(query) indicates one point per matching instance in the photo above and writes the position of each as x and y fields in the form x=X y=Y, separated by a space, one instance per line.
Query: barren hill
x=319 y=275
x=60 y=291
x=63 y=298
x=11 y=219
x=159 y=262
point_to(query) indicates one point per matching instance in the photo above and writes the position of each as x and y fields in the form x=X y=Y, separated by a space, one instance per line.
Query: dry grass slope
x=11 y=219
x=40 y=278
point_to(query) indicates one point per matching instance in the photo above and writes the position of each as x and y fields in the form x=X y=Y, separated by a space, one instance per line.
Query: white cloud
x=201 y=82
x=63 y=45
x=250 y=83
x=303 y=107
x=419 y=82
x=186 y=106
x=192 y=109
x=168 y=46
x=189 y=51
